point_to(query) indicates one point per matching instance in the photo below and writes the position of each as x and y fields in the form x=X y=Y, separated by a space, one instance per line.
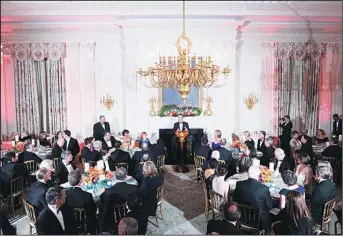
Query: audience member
x=65 y=167
x=333 y=150
x=58 y=148
x=5 y=226
x=321 y=137
x=268 y=153
x=70 y=143
x=248 y=140
x=128 y=226
x=204 y=150
x=43 y=141
x=304 y=172
x=144 y=139
x=290 y=179
x=261 y=146
x=282 y=162
x=295 y=143
x=225 y=155
x=118 y=156
x=28 y=155
x=156 y=149
x=219 y=185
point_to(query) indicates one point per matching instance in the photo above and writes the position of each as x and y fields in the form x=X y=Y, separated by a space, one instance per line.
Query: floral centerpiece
x=93 y=175
x=173 y=110
x=266 y=175
x=19 y=147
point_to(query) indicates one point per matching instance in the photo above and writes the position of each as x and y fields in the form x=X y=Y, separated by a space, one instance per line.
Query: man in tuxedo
x=10 y=171
x=65 y=167
x=228 y=225
x=100 y=127
x=118 y=194
x=180 y=126
x=261 y=141
x=70 y=144
x=37 y=190
x=108 y=141
x=286 y=135
x=58 y=218
x=324 y=191
x=155 y=149
x=118 y=156
x=88 y=153
x=333 y=150
x=248 y=139
x=337 y=125
x=58 y=148
x=77 y=198
x=28 y=155
x=268 y=153
x=252 y=192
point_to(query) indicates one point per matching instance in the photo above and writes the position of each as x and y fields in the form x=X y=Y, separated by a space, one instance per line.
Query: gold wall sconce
x=107 y=101
x=250 y=100
x=208 y=110
x=152 y=101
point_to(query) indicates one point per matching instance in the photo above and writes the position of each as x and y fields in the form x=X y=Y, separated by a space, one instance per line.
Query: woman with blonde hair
x=304 y=172
x=150 y=181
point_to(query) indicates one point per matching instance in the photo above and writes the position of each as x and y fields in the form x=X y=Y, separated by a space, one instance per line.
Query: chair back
x=80 y=218
x=120 y=211
x=221 y=162
x=159 y=194
x=216 y=201
x=121 y=164
x=206 y=192
x=328 y=211
x=57 y=161
x=31 y=166
x=17 y=186
x=198 y=161
x=161 y=160
x=336 y=166
x=30 y=212
x=250 y=218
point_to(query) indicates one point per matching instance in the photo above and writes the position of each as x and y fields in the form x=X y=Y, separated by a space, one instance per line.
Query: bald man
x=128 y=226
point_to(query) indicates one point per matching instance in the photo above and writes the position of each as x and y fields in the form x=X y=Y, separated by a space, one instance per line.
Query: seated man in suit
x=261 y=141
x=137 y=156
x=248 y=139
x=70 y=144
x=28 y=155
x=108 y=141
x=37 y=190
x=268 y=153
x=100 y=127
x=252 y=192
x=128 y=226
x=10 y=171
x=118 y=156
x=204 y=150
x=228 y=225
x=156 y=149
x=144 y=139
x=88 y=152
x=118 y=194
x=141 y=215
x=77 y=198
x=65 y=167
x=225 y=154
x=333 y=150
x=58 y=218
x=323 y=192
x=58 y=148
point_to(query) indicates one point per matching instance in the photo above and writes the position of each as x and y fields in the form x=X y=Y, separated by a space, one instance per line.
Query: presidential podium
x=194 y=141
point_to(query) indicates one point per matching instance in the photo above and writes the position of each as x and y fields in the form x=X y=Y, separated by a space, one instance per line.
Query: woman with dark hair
x=212 y=164
x=296 y=218
x=126 y=139
x=321 y=137
x=289 y=178
x=219 y=184
x=43 y=139
x=58 y=135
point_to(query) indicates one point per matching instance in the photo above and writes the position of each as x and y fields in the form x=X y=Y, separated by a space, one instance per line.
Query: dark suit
x=98 y=130
x=250 y=142
x=44 y=142
x=177 y=126
x=10 y=171
x=308 y=138
x=332 y=151
x=118 y=194
x=307 y=148
x=253 y=192
x=5 y=225
x=77 y=198
x=116 y=157
x=56 y=151
x=225 y=155
x=142 y=217
x=61 y=172
x=148 y=192
x=337 y=130
x=268 y=155
x=286 y=136
x=28 y=156
x=155 y=151
x=105 y=146
x=73 y=146
x=261 y=145
x=323 y=192
x=204 y=151
x=48 y=224
x=89 y=156
x=222 y=227
x=36 y=196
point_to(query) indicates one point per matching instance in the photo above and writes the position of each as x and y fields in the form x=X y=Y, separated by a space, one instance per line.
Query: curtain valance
x=299 y=51
x=36 y=51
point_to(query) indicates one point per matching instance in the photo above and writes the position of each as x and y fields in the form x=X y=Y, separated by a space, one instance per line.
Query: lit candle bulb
x=17 y=138
x=33 y=142
x=13 y=143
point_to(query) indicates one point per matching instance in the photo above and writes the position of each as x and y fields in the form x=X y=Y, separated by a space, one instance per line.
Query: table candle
x=256 y=162
x=33 y=141
x=271 y=166
x=17 y=138
x=86 y=167
x=340 y=137
x=13 y=143
x=102 y=177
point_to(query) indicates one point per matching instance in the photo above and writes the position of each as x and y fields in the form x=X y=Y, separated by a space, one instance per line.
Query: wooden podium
x=182 y=136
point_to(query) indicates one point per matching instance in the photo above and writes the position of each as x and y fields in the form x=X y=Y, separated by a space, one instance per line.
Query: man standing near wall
x=100 y=127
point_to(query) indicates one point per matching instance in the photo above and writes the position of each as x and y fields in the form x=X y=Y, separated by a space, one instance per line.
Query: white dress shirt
x=181 y=126
x=67 y=140
x=103 y=126
x=69 y=167
x=109 y=143
x=58 y=215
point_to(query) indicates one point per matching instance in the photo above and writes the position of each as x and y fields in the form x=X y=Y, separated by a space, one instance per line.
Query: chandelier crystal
x=184 y=71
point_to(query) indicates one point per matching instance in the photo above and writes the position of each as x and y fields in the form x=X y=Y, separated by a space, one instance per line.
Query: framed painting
x=168 y=96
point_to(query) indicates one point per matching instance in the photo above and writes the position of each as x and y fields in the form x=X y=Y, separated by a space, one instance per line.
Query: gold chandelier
x=184 y=72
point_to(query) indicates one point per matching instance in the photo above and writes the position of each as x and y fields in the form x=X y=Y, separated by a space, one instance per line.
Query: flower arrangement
x=173 y=110
x=19 y=147
x=94 y=175
x=266 y=175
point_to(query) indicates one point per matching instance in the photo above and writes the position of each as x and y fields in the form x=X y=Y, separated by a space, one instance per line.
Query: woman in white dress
x=219 y=185
x=304 y=172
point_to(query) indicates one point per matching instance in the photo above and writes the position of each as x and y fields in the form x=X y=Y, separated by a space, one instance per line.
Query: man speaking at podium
x=180 y=154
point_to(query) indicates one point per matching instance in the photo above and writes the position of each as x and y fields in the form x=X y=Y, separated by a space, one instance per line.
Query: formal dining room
x=171 y=117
